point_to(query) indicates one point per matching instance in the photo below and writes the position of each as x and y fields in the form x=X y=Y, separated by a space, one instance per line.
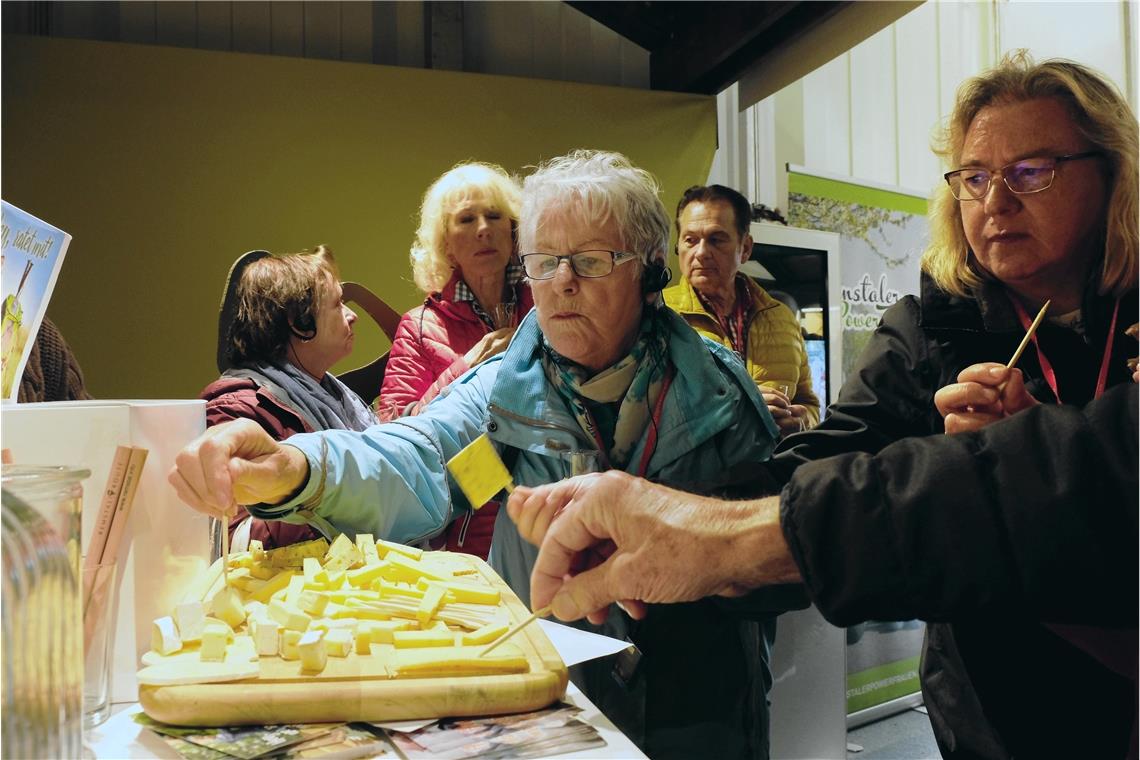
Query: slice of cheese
x=486 y=634
x=383 y=548
x=464 y=592
x=415 y=639
x=458 y=661
x=164 y=637
x=429 y=605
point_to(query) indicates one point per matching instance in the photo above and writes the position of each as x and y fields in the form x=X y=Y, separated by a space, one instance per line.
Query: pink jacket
x=427 y=352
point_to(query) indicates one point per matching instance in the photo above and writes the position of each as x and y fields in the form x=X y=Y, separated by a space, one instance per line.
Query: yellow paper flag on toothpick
x=479 y=471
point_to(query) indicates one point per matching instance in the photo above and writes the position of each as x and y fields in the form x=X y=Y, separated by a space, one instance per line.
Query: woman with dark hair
x=290 y=327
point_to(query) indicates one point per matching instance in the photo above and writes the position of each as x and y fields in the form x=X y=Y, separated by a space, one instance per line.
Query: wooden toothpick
x=543 y=612
x=1028 y=335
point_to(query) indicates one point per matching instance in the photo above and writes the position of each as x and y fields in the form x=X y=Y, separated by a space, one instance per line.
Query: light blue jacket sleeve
x=390 y=480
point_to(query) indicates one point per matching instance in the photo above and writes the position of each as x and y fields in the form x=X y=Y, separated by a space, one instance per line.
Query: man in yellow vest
x=729 y=307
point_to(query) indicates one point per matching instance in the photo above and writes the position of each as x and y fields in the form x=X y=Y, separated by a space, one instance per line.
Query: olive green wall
x=165 y=164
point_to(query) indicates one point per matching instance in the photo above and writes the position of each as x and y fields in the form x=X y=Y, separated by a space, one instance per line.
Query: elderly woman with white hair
x=596 y=378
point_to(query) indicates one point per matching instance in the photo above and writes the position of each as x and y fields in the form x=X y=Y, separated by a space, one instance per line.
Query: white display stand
x=167 y=540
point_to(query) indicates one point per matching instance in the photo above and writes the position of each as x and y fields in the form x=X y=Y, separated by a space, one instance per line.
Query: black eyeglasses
x=542 y=266
x=1029 y=175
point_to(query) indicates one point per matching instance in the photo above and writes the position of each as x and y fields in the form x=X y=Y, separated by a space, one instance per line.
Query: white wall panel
x=916 y=75
x=874 y=135
x=1092 y=33
x=827 y=118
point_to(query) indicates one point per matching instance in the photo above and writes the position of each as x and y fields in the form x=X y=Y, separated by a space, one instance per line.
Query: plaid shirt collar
x=464 y=293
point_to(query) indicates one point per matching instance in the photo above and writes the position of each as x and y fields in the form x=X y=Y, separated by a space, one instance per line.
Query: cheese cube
x=164 y=636
x=310 y=567
x=363 y=577
x=313 y=602
x=190 y=617
x=214 y=640
x=338 y=642
x=263 y=572
x=289 y=616
x=382 y=630
x=342 y=555
x=288 y=646
x=383 y=548
x=266 y=636
x=275 y=584
x=363 y=638
x=293 y=591
x=429 y=605
x=256 y=611
x=467 y=593
x=486 y=634
x=227 y=606
x=366 y=545
x=256 y=550
x=311 y=649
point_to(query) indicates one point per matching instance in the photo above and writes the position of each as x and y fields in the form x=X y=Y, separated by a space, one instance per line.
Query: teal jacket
x=699 y=683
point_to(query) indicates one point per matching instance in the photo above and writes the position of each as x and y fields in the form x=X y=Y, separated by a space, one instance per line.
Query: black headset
x=304 y=326
x=655 y=277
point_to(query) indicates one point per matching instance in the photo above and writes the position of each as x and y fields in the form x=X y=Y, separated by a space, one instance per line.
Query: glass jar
x=42 y=613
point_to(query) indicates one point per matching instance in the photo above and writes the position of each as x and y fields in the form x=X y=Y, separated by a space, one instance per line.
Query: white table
x=120 y=738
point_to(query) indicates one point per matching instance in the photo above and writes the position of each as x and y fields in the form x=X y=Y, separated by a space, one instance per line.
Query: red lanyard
x=1047 y=368
x=651 y=440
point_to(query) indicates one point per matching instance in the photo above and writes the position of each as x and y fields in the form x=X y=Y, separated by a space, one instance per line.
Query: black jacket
x=997 y=683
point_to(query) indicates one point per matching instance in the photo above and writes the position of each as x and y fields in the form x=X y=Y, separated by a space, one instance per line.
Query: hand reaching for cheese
x=610 y=537
x=236 y=463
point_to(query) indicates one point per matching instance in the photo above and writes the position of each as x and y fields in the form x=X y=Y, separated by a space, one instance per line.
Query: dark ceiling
x=703 y=47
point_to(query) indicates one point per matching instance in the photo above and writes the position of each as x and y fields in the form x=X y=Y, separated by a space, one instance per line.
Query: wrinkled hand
x=236 y=463
x=492 y=343
x=789 y=418
x=984 y=393
x=610 y=537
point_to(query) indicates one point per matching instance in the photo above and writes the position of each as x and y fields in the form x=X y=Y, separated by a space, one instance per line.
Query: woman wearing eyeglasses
x=1040 y=204
x=597 y=377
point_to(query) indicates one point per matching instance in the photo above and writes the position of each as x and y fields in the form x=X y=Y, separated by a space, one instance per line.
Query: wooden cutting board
x=358 y=689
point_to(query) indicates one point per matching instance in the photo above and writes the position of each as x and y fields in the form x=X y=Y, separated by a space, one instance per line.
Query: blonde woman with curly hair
x=464 y=260
x=1039 y=204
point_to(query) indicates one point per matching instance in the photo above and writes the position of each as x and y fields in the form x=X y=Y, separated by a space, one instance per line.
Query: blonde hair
x=1101 y=116
x=431 y=268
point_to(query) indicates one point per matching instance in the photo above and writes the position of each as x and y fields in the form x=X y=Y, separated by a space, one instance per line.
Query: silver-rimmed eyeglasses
x=542 y=266
x=1029 y=175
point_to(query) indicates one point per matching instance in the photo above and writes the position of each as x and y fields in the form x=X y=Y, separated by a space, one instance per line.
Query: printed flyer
x=33 y=253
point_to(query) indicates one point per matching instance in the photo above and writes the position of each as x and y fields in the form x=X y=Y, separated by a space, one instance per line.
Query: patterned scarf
x=614 y=406
x=327 y=405
x=733 y=322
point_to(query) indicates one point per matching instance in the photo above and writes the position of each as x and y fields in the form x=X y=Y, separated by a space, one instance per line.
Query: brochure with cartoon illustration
x=33 y=253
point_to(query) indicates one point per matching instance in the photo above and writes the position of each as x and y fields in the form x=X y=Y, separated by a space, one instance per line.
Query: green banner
x=848 y=192
x=874 y=686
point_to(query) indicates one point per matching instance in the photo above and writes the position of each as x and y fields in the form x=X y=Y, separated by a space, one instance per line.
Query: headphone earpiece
x=304 y=327
x=655 y=277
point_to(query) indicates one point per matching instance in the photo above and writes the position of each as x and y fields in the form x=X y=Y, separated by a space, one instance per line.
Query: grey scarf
x=327 y=405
